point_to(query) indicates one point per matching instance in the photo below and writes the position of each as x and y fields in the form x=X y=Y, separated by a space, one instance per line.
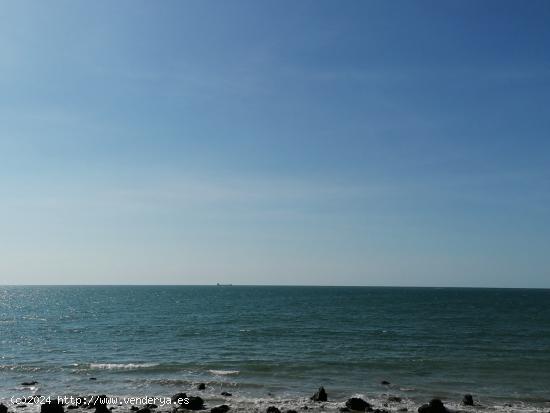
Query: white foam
x=121 y=366
x=224 y=372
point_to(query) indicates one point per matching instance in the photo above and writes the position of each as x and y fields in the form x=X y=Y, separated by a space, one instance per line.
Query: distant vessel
x=224 y=285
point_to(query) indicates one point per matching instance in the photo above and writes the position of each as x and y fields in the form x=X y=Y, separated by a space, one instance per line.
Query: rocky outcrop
x=435 y=406
x=194 y=403
x=201 y=386
x=468 y=400
x=179 y=397
x=53 y=407
x=320 y=395
x=220 y=409
x=3 y=408
x=272 y=409
x=226 y=394
x=355 y=403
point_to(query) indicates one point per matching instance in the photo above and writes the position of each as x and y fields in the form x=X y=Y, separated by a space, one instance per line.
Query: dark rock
x=395 y=399
x=385 y=382
x=79 y=401
x=220 y=409
x=93 y=378
x=320 y=395
x=291 y=411
x=144 y=410
x=378 y=411
x=151 y=406
x=99 y=403
x=435 y=406
x=272 y=409
x=194 y=403
x=53 y=407
x=355 y=403
x=226 y=394
x=403 y=409
x=102 y=408
x=72 y=407
x=468 y=400
x=29 y=383
x=201 y=386
x=19 y=406
x=134 y=408
x=344 y=409
x=178 y=396
x=305 y=408
x=3 y=408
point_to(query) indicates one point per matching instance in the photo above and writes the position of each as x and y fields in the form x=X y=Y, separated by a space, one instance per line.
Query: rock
x=385 y=382
x=320 y=395
x=52 y=407
x=93 y=378
x=395 y=399
x=344 y=409
x=226 y=394
x=29 y=383
x=144 y=410
x=435 y=406
x=102 y=408
x=19 y=406
x=272 y=409
x=291 y=411
x=194 y=403
x=355 y=403
x=178 y=396
x=3 y=408
x=134 y=408
x=403 y=409
x=220 y=409
x=98 y=403
x=72 y=406
x=151 y=406
x=201 y=386
x=468 y=400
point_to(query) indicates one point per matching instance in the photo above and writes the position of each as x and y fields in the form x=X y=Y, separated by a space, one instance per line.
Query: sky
x=275 y=142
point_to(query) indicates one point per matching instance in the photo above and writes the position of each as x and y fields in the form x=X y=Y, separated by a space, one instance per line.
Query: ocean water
x=269 y=344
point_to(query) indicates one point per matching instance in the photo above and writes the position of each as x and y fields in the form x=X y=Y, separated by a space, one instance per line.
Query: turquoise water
x=260 y=342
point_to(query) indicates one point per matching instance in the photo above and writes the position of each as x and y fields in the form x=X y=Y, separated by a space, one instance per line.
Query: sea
x=274 y=345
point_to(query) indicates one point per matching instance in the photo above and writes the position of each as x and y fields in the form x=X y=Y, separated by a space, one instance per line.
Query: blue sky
x=255 y=142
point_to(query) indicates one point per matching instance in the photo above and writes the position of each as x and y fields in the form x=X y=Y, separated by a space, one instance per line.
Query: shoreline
x=202 y=400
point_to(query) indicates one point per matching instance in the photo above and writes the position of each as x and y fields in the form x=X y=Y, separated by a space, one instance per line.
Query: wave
x=121 y=366
x=224 y=372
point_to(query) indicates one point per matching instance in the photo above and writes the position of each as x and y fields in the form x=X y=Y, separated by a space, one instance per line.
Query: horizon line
x=279 y=285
